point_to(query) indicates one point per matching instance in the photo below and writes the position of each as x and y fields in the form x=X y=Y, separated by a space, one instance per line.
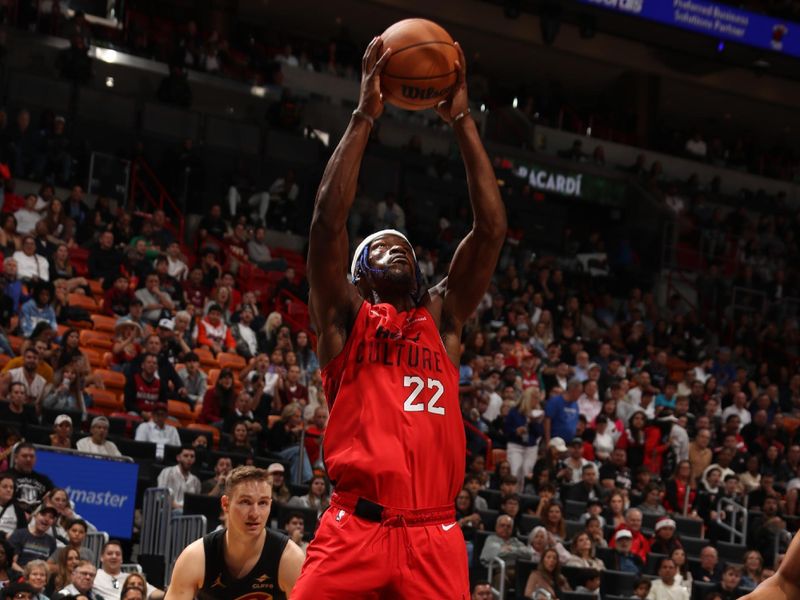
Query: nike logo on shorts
x=448 y=527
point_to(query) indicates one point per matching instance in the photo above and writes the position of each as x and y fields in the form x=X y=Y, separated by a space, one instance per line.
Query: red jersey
x=395 y=434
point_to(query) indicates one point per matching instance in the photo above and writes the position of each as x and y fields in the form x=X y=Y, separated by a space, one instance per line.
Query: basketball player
x=785 y=584
x=244 y=560
x=395 y=445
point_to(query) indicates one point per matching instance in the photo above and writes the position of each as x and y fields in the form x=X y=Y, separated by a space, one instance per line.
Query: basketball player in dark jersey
x=390 y=349
x=243 y=561
x=785 y=584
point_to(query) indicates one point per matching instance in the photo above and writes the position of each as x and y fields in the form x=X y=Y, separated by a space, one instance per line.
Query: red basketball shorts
x=409 y=554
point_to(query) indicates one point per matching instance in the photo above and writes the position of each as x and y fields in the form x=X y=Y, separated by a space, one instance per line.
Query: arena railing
x=94 y=541
x=156 y=515
x=500 y=591
x=184 y=529
x=733 y=512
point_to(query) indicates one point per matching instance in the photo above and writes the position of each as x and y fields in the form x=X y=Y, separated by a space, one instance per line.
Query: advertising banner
x=102 y=490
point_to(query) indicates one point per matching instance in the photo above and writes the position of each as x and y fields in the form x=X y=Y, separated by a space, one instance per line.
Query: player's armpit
x=290 y=566
x=188 y=574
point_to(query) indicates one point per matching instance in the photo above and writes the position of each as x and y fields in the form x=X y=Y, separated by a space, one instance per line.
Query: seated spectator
x=31 y=267
x=502 y=544
x=157 y=303
x=61 y=572
x=76 y=531
x=280 y=492
x=591 y=579
x=259 y=252
x=728 y=587
x=696 y=146
x=243 y=334
x=751 y=571
x=110 y=578
x=17 y=409
x=295 y=529
x=284 y=439
x=315 y=434
x=540 y=540
x=318 y=496
x=27 y=216
x=117 y=298
x=30 y=543
x=588 y=488
x=633 y=525
x=665 y=539
x=143 y=390
x=216 y=485
x=11 y=515
x=708 y=570
x=213 y=333
x=242 y=412
x=194 y=379
x=289 y=389
x=96 y=443
x=157 y=431
x=467 y=516
x=652 y=504
x=547 y=576
x=127 y=343
x=65 y=392
x=31 y=486
x=136 y=315
x=105 y=260
x=81 y=582
x=179 y=479
x=667 y=586
x=219 y=400
x=239 y=442
x=583 y=553
x=35 y=574
x=195 y=291
x=624 y=559
x=176 y=262
x=184 y=331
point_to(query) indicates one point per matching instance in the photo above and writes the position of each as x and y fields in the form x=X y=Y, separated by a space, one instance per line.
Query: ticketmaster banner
x=103 y=491
x=709 y=18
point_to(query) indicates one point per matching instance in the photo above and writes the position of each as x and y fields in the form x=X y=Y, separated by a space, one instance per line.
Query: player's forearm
x=337 y=190
x=487 y=206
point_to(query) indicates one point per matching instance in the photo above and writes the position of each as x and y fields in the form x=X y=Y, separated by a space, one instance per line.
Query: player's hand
x=458 y=101
x=371 y=100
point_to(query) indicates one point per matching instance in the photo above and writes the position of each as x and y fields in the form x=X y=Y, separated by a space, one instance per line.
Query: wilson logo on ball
x=417 y=93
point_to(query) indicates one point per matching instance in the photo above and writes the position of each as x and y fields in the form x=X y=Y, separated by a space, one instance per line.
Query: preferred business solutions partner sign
x=102 y=490
x=716 y=20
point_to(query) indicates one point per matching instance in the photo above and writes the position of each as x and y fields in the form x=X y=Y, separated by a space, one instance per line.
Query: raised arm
x=333 y=298
x=476 y=256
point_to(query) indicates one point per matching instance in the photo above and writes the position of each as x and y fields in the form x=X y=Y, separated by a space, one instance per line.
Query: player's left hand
x=458 y=101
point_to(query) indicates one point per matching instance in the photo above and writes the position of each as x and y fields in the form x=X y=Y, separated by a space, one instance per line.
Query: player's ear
x=225 y=502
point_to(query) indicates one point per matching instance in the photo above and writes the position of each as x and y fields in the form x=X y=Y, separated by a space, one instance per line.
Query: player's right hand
x=375 y=59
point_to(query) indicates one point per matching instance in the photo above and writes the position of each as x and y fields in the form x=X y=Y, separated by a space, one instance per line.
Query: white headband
x=371 y=238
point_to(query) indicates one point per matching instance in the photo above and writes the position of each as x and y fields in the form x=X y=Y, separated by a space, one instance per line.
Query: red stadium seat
x=99 y=340
x=231 y=361
x=106 y=401
x=104 y=323
x=111 y=379
x=85 y=302
x=207 y=429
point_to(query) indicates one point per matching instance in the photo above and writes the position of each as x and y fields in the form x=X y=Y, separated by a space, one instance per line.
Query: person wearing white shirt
x=110 y=578
x=96 y=443
x=157 y=431
x=179 y=479
x=176 y=267
x=667 y=587
x=739 y=409
x=589 y=404
x=27 y=216
x=29 y=264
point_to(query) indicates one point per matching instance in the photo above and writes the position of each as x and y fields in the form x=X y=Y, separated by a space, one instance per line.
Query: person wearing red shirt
x=315 y=433
x=640 y=546
x=213 y=333
x=290 y=389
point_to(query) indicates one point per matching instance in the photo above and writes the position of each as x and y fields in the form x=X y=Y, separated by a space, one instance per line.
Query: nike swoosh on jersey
x=448 y=527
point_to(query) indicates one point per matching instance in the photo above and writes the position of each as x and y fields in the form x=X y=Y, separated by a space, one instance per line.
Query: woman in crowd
x=7 y=572
x=66 y=392
x=35 y=574
x=615 y=511
x=274 y=321
x=547 y=576
x=603 y=443
x=62 y=432
x=678 y=486
x=62 y=577
x=523 y=429
x=583 y=553
x=751 y=478
x=652 y=501
x=684 y=576
x=632 y=441
x=58 y=499
x=306 y=357
x=219 y=400
x=135 y=583
x=69 y=349
x=553 y=521
x=665 y=539
x=222 y=297
x=284 y=439
x=185 y=331
x=127 y=343
x=318 y=496
x=752 y=570
x=539 y=541
x=10 y=241
x=594 y=528
x=61 y=268
x=616 y=428
x=501 y=469
x=11 y=516
x=467 y=515
x=240 y=441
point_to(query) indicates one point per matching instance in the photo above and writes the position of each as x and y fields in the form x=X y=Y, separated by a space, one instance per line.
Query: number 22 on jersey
x=417 y=384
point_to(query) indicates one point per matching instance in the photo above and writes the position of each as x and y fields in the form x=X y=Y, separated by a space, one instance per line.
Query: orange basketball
x=421 y=70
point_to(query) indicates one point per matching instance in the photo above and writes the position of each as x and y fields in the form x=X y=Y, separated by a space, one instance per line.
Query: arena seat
x=111 y=379
x=136 y=449
x=700 y=589
x=96 y=288
x=16 y=343
x=100 y=340
x=310 y=518
x=94 y=356
x=651 y=568
x=528 y=522
x=498 y=454
x=618 y=581
x=524 y=569
x=606 y=555
x=573 y=509
x=688 y=526
x=207 y=359
x=488 y=518
x=231 y=361
x=693 y=545
x=492 y=498
x=181 y=411
x=200 y=504
x=83 y=301
x=731 y=553
x=202 y=428
x=105 y=400
x=104 y=323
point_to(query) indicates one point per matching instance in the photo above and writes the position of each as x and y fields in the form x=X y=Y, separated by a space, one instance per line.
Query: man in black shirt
x=587 y=489
x=16 y=410
x=615 y=473
x=31 y=486
x=105 y=260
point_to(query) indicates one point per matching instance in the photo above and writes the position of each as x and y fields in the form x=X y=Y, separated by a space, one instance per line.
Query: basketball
x=421 y=70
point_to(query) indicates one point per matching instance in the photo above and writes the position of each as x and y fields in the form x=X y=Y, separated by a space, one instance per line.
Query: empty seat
x=200 y=504
x=103 y=323
x=688 y=526
x=693 y=545
x=622 y=583
x=231 y=361
x=107 y=401
x=111 y=379
x=733 y=553
x=488 y=518
x=573 y=509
